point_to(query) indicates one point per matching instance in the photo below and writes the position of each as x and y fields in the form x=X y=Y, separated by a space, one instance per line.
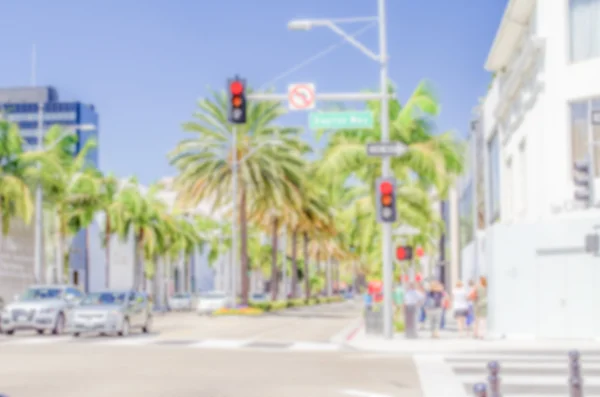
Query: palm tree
x=108 y=204
x=269 y=161
x=15 y=195
x=73 y=191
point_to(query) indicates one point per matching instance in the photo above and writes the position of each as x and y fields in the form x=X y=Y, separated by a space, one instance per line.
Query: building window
x=584 y=20
x=494 y=173
x=580 y=124
x=523 y=177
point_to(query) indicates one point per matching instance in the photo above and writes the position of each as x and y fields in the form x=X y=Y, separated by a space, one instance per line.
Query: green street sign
x=340 y=120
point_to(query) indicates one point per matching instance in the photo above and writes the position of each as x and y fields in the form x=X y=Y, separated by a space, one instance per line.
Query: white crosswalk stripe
x=524 y=373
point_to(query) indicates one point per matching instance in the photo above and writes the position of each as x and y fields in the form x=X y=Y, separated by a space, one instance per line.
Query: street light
x=381 y=58
x=38 y=249
x=235 y=169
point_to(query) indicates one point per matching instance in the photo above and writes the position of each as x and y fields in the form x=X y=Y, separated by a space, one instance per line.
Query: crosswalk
x=526 y=373
x=157 y=340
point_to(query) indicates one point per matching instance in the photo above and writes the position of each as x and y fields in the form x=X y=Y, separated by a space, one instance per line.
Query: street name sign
x=340 y=120
x=385 y=149
x=301 y=96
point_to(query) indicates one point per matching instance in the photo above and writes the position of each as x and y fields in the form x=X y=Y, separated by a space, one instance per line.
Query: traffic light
x=404 y=253
x=386 y=200
x=237 y=100
x=583 y=181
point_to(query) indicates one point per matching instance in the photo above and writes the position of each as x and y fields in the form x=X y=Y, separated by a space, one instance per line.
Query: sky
x=144 y=64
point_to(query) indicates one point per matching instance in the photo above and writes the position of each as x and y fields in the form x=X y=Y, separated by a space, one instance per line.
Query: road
x=175 y=361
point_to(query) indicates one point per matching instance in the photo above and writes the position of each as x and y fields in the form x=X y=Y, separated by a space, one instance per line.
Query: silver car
x=212 y=301
x=181 y=301
x=112 y=312
x=41 y=308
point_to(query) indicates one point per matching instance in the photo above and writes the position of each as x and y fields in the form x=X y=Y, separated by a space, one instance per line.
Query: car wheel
x=60 y=325
x=124 y=328
x=40 y=331
x=9 y=332
x=76 y=334
x=148 y=325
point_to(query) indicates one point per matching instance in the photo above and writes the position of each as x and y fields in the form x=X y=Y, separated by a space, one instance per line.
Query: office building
x=22 y=106
x=536 y=120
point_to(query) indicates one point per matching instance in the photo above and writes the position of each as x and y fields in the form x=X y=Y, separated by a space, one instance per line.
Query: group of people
x=429 y=303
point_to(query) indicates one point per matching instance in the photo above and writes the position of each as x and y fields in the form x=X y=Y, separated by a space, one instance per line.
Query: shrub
x=242 y=311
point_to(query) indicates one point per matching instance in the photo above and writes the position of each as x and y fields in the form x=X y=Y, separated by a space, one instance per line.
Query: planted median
x=258 y=308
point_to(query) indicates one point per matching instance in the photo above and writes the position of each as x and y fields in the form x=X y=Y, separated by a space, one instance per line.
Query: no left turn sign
x=301 y=96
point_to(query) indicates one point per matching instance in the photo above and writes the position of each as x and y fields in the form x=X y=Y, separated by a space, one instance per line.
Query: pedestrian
x=423 y=291
x=445 y=307
x=433 y=307
x=412 y=301
x=480 y=306
x=471 y=292
x=460 y=307
x=399 y=300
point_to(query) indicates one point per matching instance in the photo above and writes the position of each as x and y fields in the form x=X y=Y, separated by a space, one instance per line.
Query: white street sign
x=301 y=96
x=596 y=117
x=385 y=149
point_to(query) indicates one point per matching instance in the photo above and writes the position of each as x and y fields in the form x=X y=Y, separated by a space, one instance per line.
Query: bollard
x=575 y=381
x=480 y=390
x=494 y=379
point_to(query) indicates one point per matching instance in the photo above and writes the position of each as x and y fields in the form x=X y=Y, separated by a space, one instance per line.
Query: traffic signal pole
x=592 y=159
x=388 y=272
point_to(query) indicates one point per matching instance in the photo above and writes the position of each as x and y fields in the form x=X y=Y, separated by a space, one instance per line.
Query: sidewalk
x=450 y=342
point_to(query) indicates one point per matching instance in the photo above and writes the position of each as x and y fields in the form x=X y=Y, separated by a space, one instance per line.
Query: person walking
x=471 y=292
x=423 y=291
x=445 y=307
x=433 y=307
x=480 y=306
x=412 y=301
x=460 y=307
x=399 y=300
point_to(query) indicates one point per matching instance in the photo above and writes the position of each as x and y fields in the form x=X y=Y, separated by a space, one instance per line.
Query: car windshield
x=213 y=295
x=258 y=296
x=105 y=298
x=34 y=294
x=181 y=296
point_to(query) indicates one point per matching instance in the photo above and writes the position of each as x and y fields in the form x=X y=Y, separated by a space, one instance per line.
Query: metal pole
x=39 y=225
x=234 y=188
x=494 y=379
x=575 y=381
x=388 y=325
x=592 y=156
x=480 y=390
x=474 y=176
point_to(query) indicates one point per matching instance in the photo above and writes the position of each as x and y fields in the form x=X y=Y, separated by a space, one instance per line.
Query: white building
x=534 y=123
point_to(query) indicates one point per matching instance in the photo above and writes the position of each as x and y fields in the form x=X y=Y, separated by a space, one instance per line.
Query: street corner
x=349 y=333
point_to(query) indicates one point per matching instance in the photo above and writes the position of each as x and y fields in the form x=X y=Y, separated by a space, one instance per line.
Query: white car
x=211 y=301
x=41 y=308
x=181 y=301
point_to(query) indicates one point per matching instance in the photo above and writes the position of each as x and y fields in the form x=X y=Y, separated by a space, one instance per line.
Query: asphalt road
x=310 y=324
x=95 y=370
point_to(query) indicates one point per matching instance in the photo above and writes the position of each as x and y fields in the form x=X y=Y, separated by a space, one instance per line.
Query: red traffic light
x=400 y=253
x=420 y=252
x=236 y=88
x=386 y=188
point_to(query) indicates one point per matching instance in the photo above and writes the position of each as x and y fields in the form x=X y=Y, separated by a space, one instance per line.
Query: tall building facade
x=26 y=106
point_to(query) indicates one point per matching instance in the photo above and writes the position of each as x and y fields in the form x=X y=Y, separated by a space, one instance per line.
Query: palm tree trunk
x=294 y=276
x=60 y=253
x=328 y=270
x=274 y=253
x=107 y=235
x=244 y=247
x=306 y=272
x=139 y=274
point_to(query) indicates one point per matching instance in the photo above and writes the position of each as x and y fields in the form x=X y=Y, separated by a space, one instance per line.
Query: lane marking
x=220 y=344
x=308 y=346
x=446 y=382
x=38 y=341
x=526 y=379
x=126 y=341
x=360 y=393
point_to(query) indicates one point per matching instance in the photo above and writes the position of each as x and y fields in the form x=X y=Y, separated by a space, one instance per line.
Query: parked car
x=41 y=308
x=181 y=301
x=211 y=301
x=112 y=312
x=259 y=297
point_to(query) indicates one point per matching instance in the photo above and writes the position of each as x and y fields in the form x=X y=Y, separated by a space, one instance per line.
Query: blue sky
x=145 y=63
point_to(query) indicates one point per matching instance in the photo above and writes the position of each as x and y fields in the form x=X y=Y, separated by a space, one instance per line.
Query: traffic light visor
x=236 y=88
x=386 y=188
x=237 y=101
x=386 y=200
